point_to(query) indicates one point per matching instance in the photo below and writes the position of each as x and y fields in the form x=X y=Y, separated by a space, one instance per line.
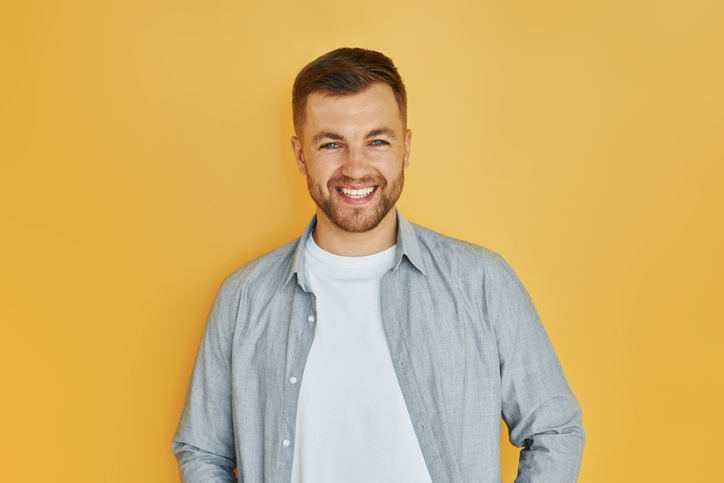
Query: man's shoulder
x=457 y=259
x=437 y=245
x=266 y=270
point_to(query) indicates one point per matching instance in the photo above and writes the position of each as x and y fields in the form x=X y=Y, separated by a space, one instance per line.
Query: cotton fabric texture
x=466 y=343
x=352 y=421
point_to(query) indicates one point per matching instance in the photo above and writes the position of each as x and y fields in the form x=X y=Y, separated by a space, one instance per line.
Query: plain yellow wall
x=144 y=151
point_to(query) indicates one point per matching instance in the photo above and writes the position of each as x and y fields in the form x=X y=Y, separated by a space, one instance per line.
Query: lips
x=357 y=194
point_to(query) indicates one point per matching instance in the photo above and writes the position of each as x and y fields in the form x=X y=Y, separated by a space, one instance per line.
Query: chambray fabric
x=466 y=344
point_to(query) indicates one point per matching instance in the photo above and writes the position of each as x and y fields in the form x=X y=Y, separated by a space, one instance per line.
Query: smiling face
x=353 y=150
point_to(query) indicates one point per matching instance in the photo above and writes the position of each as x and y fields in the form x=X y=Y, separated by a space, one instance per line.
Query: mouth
x=355 y=196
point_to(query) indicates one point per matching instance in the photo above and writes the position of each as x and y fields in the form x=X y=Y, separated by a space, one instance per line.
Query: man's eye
x=329 y=146
x=379 y=142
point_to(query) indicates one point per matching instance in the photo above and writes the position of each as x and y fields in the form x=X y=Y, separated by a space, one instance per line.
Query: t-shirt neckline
x=379 y=258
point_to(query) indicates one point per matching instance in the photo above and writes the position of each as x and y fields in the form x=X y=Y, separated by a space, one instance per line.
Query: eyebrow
x=336 y=137
x=378 y=132
x=328 y=135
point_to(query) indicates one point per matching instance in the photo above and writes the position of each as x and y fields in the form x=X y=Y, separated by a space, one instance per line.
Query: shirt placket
x=302 y=327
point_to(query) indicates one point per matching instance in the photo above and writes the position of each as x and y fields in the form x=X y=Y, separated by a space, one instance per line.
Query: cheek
x=382 y=158
x=321 y=170
x=388 y=161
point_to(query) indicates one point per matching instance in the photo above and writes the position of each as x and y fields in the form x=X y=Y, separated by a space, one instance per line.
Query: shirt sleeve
x=204 y=440
x=541 y=412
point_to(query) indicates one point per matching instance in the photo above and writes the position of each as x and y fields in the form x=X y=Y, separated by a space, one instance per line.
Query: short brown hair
x=342 y=72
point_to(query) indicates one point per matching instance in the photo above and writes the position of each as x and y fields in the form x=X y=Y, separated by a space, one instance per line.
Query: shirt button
x=286 y=442
x=310 y=318
x=293 y=380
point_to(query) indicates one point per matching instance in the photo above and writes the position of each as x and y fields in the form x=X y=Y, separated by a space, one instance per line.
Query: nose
x=355 y=164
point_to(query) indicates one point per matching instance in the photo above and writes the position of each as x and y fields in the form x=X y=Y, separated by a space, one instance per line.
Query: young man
x=371 y=349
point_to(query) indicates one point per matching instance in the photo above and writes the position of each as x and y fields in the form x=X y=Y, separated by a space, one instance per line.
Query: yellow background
x=145 y=155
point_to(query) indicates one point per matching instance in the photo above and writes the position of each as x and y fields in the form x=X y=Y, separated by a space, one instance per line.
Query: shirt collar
x=407 y=245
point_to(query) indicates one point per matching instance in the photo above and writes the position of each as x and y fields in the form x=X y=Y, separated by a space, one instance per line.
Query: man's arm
x=542 y=414
x=204 y=440
x=197 y=465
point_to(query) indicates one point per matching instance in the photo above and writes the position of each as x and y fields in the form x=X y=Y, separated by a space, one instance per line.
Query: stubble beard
x=357 y=219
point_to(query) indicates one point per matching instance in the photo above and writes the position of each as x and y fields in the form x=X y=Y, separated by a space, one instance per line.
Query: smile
x=357 y=194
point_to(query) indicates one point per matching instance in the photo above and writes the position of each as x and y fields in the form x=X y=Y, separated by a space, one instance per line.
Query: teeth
x=356 y=194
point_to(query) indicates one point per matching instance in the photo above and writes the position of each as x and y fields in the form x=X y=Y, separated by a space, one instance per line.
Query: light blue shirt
x=466 y=343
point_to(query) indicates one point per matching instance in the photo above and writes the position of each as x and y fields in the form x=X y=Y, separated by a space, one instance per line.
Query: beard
x=357 y=219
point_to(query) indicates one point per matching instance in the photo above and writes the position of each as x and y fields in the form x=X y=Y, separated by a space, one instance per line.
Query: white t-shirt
x=352 y=422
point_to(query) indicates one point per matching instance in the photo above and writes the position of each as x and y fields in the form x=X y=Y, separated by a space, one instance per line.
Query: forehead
x=375 y=105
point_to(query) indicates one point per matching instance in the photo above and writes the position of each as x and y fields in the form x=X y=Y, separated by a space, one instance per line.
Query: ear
x=408 y=145
x=299 y=155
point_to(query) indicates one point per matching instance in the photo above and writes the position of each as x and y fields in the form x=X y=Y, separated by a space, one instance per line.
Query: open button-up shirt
x=466 y=343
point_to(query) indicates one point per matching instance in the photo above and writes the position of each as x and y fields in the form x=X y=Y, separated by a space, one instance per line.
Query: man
x=371 y=349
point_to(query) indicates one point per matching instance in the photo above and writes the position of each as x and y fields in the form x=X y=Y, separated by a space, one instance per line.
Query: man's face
x=354 y=150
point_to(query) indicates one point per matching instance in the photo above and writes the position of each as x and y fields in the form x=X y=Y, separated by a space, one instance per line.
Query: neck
x=330 y=238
